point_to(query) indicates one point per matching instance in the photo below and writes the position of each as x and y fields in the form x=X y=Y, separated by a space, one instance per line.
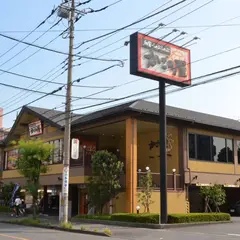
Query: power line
x=123 y=29
x=46 y=94
x=104 y=47
x=148 y=91
x=58 y=51
x=28 y=45
x=132 y=24
x=151 y=90
x=127 y=29
x=40 y=92
x=57 y=83
x=34 y=30
x=208 y=28
x=193 y=79
x=77 y=80
x=28 y=57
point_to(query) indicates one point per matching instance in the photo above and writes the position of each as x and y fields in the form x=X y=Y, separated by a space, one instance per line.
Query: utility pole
x=67 y=131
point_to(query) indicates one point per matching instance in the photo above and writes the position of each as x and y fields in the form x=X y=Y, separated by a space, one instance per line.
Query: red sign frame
x=159 y=46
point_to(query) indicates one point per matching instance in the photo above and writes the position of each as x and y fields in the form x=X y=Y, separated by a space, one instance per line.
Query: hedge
x=198 y=217
x=4 y=209
x=154 y=218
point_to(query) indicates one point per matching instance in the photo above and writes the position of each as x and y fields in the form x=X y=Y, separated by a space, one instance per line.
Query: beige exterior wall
x=150 y=158
x=176 y=202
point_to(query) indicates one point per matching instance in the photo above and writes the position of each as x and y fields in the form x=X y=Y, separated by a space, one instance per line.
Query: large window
x=238 y=150
x=209 y=148
x=57 y=154
x=11 y=156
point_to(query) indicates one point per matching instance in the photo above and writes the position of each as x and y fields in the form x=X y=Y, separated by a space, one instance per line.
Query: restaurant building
x=202 y=149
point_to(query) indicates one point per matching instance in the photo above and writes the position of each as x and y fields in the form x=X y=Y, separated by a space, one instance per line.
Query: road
x=211 y=232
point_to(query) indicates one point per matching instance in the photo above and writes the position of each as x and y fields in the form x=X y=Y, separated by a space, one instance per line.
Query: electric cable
x=132 y=24
x=25 y=59
x=123 y=29
x=58 y=51
x=40 y=92
x=209 y=27
x=154 y=89
x=47 y=94
x=55 y=83
x=104 y=47
x=34 y=30
x=128 y=29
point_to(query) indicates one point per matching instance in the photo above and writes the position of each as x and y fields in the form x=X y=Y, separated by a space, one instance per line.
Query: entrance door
x=74 y=199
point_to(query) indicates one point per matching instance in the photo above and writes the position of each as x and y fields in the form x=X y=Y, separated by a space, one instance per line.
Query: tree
x=145 y=183
x=213 y=196
x=104 y=184
x=33 y=159
x=205 y=192
x=218 y=196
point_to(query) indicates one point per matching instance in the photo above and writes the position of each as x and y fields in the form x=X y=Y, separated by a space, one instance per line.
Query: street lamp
x=147 y=169
x=174 y=170
x=138 y=208
x=84 y=150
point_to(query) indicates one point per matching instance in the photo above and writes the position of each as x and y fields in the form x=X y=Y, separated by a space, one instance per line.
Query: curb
x=146 y=225
x=59 y=229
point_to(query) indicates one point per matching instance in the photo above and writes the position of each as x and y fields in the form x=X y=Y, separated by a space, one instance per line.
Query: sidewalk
x=117 y=231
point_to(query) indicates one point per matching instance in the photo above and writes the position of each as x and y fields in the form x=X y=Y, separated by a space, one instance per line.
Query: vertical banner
x=15 y=189
x=65 y=180
x=75 y=148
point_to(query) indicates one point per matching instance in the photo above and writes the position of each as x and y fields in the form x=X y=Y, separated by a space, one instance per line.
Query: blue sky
x=219 y=98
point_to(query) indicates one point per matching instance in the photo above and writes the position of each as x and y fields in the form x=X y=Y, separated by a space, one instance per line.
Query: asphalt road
x=9 y=231
x=229 y=231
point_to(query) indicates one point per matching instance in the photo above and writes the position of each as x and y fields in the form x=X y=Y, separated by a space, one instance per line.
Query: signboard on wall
x=159 y=60
x=12 y=157
x=35 y=128
x=75 y=148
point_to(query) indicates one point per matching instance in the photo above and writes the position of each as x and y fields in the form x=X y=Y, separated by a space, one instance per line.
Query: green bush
x=154 y=217
x=4 y=209
x=198 y=217
x=140 y=218
x=67 y=225
x=96 y=217
x=27 y=221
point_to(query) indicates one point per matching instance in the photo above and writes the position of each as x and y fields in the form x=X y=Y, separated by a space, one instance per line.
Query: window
x=219 y=150
x=57 y=154
x=238 y=150
x=203 y=147
x=192 y=145
x=230 y=155
x=208 y=148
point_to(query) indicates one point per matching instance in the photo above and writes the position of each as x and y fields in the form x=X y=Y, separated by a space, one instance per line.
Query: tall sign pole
x=166 y=63
x=67 y=131
x=163 y=154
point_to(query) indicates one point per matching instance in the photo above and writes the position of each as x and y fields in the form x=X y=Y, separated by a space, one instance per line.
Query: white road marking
x=233 y=234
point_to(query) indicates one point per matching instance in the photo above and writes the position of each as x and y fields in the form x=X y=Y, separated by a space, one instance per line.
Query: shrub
x=198 y=217
x=96 y=217
x=140 y=218
x=67 y=225
x=154 y=218
x=107 y=231
x=27 y=221
x=4 y=209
